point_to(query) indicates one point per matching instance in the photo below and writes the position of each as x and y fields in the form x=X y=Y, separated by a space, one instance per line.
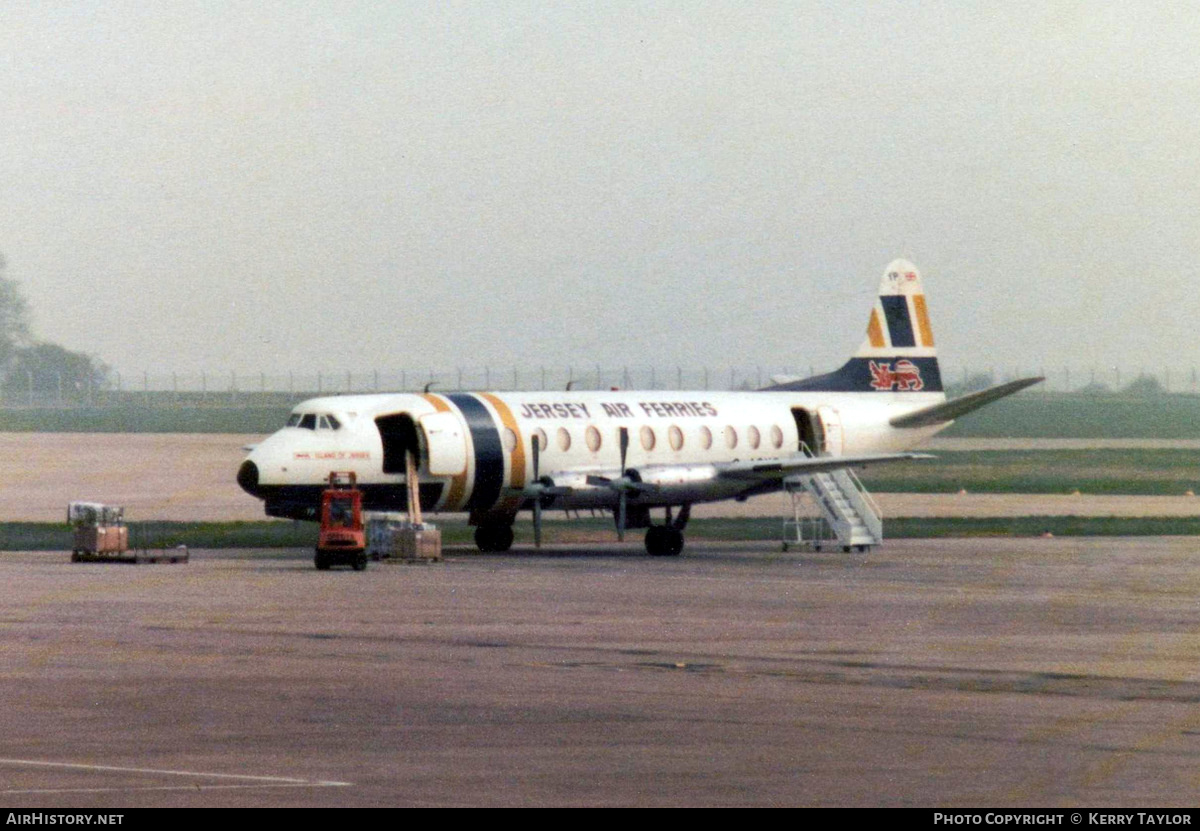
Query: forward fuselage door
x=445 y=444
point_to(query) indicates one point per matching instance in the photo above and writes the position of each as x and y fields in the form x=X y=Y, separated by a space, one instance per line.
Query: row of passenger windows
x=649 y=438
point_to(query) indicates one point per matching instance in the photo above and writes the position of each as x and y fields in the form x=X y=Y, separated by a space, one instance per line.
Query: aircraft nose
x=247 y=477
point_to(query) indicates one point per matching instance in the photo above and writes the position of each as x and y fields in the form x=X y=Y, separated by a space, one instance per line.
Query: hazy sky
x=268 y=186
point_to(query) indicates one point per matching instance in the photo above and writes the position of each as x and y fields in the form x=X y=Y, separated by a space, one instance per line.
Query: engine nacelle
x=579 y=493
x=676 y=484
x=663 y=485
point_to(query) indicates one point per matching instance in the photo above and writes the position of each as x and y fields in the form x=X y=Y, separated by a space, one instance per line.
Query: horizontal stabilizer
x=950 y=410
x=768 y=470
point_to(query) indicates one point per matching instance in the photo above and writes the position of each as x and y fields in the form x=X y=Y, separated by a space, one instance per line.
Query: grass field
x=32 y=536
x=1157 y=472
x=1084 y=416
x=134 y=418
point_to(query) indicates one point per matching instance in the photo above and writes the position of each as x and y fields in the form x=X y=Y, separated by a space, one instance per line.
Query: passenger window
x=564 y=439
x=593 y=439
x=730 y=438
x=542 y=440
x=648 y=438
x=706 y=438
x=510 y=440
x=676 y=437
x=776 y=436
x=754 y=437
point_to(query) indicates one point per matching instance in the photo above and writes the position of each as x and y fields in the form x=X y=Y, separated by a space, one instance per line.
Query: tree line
x=31 y=365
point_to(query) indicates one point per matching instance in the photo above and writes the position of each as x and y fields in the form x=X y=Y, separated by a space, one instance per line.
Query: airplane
x=495 y=454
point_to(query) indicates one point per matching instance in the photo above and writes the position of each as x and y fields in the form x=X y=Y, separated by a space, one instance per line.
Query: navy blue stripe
x=489 y=451
x=895 y=309
x=855 y=376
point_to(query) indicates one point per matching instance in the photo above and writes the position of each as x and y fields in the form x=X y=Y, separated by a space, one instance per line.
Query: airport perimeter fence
x=250 y=389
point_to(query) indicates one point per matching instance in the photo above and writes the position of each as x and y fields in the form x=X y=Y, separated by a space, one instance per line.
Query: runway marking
x=258 y=781
x=164 y=788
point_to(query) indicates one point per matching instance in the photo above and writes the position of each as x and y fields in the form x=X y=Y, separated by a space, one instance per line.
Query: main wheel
x=663 y=541
x=497 y=538
x=672 y=542
x=654 y=540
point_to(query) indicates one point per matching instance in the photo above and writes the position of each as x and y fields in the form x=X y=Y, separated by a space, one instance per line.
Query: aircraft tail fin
x=898 y=352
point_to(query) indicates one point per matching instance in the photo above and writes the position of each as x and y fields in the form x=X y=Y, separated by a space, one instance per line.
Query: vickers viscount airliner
x=495 y=454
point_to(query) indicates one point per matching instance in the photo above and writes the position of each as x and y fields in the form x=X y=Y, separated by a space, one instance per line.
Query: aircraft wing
x=764 y=471
x=950 y=410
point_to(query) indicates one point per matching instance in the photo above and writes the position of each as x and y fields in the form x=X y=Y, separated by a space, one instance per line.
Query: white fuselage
x=473 y=451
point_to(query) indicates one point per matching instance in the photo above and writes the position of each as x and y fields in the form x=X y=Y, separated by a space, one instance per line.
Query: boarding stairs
x=847 y=515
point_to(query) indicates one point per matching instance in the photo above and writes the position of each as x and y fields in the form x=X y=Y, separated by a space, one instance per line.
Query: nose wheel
x=494 y=538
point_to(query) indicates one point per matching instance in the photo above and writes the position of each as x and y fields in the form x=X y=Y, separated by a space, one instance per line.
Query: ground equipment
x=342 y=539
x=97 y=530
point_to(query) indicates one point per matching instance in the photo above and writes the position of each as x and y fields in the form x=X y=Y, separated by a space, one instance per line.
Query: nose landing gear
x=494 y=538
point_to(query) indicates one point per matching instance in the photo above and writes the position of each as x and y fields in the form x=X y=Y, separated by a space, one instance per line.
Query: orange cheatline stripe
x=875 y=331
x=923 y=319
x=437 y=402
x=458 y=484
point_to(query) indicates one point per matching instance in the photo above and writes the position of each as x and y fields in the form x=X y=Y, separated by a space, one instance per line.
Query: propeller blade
x=537 y=500
x=621 y=517
x=623 y=499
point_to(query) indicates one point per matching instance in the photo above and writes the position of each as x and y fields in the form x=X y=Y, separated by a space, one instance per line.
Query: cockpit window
x=313 y=421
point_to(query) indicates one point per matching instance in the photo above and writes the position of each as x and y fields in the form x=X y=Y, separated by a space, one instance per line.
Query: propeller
x=537 y=500
x=623 y=484
x=538 y=490
x=623 y=499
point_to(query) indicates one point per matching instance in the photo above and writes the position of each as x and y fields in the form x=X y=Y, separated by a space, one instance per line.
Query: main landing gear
x=494 y=538
x=666 y=540
x=663 y=541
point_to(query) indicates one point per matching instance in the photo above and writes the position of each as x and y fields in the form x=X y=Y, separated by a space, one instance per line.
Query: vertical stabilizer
x=897 y=354
x=899 y=322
